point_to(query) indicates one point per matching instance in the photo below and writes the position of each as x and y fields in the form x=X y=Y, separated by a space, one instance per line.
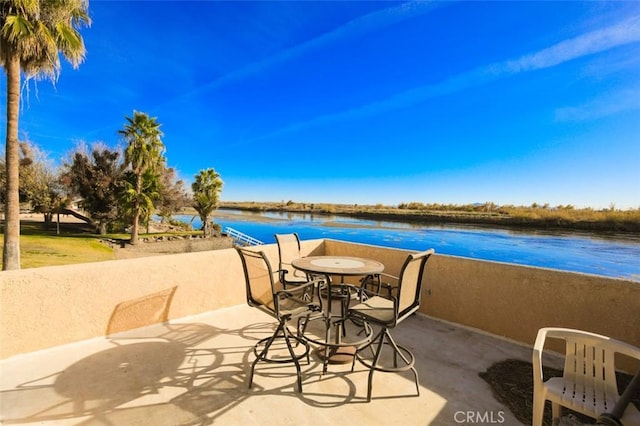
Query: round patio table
x=338 y=265
x=336 y=352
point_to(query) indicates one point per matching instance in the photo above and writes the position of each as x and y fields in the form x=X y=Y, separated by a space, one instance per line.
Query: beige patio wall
x=515 y=301
x=44 y=307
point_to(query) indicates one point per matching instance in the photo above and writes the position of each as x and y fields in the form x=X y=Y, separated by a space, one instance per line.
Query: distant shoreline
x=606 y=224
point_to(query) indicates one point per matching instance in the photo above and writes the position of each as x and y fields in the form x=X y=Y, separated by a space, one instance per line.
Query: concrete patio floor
x=194 y=371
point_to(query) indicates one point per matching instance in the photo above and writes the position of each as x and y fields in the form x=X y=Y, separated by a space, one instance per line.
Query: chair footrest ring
x=279 y=360
x=403 y=366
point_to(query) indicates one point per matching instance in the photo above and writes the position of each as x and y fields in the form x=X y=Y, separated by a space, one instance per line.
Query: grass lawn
x=37 y=251
x=40 y=246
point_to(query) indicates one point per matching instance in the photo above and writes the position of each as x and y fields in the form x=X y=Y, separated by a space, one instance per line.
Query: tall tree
x=25 y=159
x=32 y=35
x=144 y=155
x=145 y=199
x=206 y=196
x=98 y=180
x=173 y=196
x=39 y=182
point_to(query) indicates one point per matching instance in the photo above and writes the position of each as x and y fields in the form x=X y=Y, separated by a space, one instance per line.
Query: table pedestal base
x=337 y=354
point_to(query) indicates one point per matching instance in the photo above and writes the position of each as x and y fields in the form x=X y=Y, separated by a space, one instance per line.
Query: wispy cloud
x=615 y=103
x=625 y=32
x=357 y=27
x=622 y=33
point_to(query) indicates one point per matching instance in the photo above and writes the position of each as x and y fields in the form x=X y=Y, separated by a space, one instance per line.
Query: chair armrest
x=293 y=271
x=362 y=294
x=393 y=277
x=382 y=274
x=294 y=277
x=372 y=280
x=299 y=289
x=305 y=295
x=538 y=348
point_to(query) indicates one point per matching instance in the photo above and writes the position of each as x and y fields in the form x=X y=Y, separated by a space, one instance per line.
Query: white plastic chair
x=588 y=384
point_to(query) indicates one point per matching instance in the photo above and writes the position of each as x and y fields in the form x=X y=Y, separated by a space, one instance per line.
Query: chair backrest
x=410 y=283
x=288 y=250
x=590 y=358
x=259 y=279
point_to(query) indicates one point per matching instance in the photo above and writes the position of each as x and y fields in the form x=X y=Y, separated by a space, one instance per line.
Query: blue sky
x=366 y=102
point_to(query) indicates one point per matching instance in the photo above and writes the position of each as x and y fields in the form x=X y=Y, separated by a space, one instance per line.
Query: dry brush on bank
x=534 y=216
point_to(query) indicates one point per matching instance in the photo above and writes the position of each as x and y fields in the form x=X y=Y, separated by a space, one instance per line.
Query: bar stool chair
x=266 y=292
x=388 y=312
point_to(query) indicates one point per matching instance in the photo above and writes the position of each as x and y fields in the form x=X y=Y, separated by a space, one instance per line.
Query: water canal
x=609 y=254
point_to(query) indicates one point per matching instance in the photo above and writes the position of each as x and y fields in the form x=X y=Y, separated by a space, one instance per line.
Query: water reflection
x=610 y=254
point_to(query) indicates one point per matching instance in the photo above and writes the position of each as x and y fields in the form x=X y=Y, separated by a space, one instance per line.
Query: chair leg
x=369 y=344
x=293 y=356
x=282 y=328
x=327 y=336
x=300 y=330
x=263 y=353
x=415 y=376
x=538 y=408
x=556 y=413
x=376 y=358
x=398 y=351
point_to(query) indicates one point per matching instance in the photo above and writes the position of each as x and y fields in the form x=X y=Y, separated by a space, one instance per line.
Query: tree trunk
x=11 y=253
x=136 y=212
x=135 y=225
x=205 y=226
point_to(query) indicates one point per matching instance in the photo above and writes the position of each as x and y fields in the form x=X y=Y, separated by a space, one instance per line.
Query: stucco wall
x=44 y=307
x=515 y=301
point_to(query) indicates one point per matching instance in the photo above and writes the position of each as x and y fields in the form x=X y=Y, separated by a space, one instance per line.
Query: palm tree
x=32 y=34
x=206 y=194
x=144 y=156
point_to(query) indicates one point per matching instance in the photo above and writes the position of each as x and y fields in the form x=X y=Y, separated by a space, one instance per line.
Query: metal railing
x=242 y=239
